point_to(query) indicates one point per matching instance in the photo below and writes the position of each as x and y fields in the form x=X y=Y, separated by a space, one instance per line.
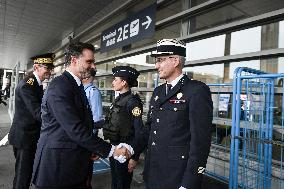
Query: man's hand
x=131 y=165
x=95 y=157
x=121 y=151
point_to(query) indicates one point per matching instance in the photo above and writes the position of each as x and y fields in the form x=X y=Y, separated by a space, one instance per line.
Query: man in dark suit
x=179 y=121
x=67 y=141
x=25 y=129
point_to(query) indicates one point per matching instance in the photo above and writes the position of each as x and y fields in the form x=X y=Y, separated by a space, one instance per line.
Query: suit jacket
x=25 y=129
x=66 y=140
x=179 y=135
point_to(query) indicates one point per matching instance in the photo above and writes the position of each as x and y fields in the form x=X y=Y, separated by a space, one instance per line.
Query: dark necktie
x=169 y=87
x=81 y=87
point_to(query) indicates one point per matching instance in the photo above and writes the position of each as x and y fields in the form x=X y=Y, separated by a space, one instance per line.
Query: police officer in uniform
x=25 y=129
x=179 y=122
x=124 y=124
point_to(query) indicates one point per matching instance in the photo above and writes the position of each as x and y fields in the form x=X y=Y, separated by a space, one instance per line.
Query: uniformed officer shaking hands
x=124 y=124
x=25 y=129
x=67 y=140
x=179 y=121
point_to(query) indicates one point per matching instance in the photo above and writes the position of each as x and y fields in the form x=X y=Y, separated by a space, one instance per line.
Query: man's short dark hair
x=76 y=49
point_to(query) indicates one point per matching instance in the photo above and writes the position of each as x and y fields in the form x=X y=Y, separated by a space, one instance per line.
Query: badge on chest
x=178 y=99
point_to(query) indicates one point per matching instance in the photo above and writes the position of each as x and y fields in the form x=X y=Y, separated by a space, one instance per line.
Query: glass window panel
x=245 y=41
x=139 y=62
x=281 y=34
x=281 y=65
x=233 y=12
x=168 y=10
x=255 y=64
x=207 y=73
x=206 y=48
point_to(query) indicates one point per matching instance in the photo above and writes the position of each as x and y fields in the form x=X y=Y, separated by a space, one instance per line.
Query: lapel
x=164 y=98
x=75 y=86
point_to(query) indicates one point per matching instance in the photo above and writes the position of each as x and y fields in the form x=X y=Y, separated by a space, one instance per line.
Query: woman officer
x=124 y=124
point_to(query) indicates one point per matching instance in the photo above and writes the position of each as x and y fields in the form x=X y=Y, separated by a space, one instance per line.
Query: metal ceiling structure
x=28 y=27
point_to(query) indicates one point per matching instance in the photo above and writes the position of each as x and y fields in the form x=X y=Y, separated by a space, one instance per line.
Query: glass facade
x=209 y=43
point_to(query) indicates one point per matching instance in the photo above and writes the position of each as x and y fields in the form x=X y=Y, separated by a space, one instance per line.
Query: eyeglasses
x=163 y=59
x=47 y=67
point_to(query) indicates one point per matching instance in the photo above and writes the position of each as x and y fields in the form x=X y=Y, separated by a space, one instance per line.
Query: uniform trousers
x=120 y=177
x=23 y=167
x=69 y=187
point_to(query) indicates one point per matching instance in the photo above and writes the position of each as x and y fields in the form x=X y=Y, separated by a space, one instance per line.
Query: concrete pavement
x=100 y=181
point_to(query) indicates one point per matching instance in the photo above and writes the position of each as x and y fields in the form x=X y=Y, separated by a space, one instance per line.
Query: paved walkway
x=7 y=160
x=100 y=181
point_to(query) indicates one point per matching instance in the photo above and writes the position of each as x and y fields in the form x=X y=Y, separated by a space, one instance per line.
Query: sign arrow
x=148 y=22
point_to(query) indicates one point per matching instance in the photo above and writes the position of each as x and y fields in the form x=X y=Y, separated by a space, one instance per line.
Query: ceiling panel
x=27 y=27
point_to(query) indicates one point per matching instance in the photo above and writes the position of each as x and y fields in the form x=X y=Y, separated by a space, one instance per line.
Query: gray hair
x=182 y=61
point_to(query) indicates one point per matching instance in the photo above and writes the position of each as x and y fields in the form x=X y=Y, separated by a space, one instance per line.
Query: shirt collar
x=37 y=78
x=126 y=93
x=87 y=85
x=78 y=81
x=176 y=80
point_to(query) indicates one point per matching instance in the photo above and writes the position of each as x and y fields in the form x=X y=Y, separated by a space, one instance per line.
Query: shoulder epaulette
x=30 y=81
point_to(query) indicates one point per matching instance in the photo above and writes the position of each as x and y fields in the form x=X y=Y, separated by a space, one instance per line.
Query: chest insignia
x=173 y=101
x=156 y=98
x=179 y=95
x=30 y=81
x=136 y=111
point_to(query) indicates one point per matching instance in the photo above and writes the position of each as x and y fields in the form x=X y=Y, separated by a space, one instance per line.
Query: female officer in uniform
x=124 y=124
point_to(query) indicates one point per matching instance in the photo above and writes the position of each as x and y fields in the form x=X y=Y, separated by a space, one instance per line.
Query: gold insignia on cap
x=136 y=111
x=179 y=95
x=30 y=81
x=43 y=60
x=156 y=98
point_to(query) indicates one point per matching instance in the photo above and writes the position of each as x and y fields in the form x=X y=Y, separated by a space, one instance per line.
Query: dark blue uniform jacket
x=25 y=129
x=66 y=139
x=179 y=135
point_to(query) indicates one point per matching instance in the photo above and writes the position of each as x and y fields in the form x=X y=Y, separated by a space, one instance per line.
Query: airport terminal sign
x=134 y=28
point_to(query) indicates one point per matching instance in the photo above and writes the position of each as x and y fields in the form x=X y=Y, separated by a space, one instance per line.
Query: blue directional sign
x=134 y=28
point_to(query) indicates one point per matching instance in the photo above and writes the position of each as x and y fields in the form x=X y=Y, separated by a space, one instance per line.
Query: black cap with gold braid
x=45 y=59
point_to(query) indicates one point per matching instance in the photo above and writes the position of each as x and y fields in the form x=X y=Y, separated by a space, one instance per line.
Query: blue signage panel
x=134 y=28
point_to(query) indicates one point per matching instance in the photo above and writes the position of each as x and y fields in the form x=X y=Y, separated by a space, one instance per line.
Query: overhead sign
x=134 y=28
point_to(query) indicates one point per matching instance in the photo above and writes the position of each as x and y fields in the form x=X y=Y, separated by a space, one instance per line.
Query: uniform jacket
x=25 y=129
x=179 y=135
x=66 y=140
x=133 y=109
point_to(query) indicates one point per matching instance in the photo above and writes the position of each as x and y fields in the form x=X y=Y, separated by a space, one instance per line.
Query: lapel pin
x=156 y=98
x=179 y=95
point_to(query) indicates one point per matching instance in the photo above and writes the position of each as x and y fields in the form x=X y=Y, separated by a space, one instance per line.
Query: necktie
x=81 y=87
x=169 y=87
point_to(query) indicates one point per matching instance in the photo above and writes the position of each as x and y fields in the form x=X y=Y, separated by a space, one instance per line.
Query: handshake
x=122 y=152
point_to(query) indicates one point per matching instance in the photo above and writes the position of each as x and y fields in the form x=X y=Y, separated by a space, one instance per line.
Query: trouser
x=90 y=175
x=120 y=177
x=69 y=187
x=23 y=167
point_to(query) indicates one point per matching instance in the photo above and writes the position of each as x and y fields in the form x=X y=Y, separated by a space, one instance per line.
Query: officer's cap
x=44 y=59
x=167 y=47
x=128 y=73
